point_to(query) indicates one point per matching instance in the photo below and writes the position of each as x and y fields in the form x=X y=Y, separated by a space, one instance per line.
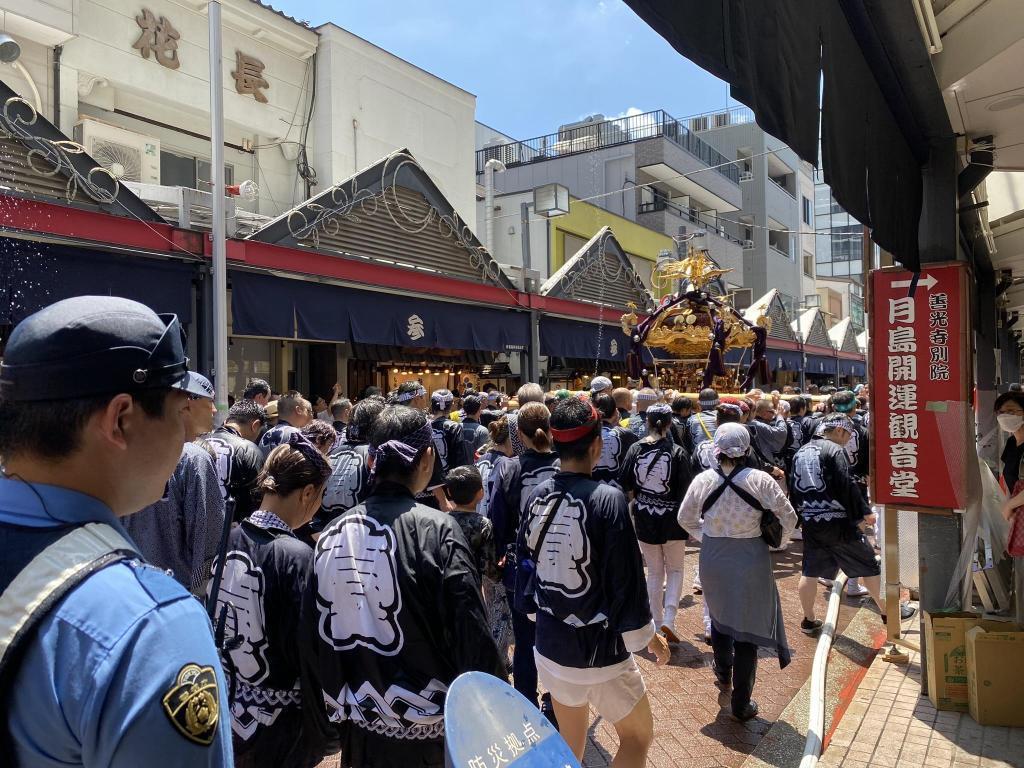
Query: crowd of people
x=357 y=555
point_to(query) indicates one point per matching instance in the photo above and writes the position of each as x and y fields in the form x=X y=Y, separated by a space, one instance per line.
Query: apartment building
x=650 y=169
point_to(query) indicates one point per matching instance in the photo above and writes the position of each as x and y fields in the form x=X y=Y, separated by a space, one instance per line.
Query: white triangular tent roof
x=600 y=273
x=810 y=327
x=842 y=336
x=771 y=305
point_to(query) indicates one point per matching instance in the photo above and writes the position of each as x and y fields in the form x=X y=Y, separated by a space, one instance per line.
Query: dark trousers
x=739 y=657
x=524 y=666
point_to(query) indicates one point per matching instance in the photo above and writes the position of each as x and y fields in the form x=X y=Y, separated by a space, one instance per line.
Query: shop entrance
x=314 y=369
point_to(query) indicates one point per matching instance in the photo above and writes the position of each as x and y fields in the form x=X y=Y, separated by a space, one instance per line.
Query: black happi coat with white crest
x=658 y=475
x=393 y=614
x=591 y=597
x=264 y=580
x=615 y=442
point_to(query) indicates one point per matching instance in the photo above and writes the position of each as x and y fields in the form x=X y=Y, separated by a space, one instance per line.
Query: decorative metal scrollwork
x=347 y=203
x=52 y=158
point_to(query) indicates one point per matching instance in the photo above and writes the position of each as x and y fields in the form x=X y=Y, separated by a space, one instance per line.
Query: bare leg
x=808 y=593
x=874 y=587
x=636 y=732
x=572 y=725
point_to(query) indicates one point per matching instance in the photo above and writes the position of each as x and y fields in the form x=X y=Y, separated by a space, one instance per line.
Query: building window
x=186 y=171
x=807 y=212
x=808 y=262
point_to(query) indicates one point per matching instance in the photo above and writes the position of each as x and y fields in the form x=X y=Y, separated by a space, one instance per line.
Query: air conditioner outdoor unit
x=746 y=176
x=748 y=245
x=130 y=156
x=742 y=298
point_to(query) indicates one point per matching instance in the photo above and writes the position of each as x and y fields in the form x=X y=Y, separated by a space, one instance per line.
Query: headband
x=302 y=444
x=732 y=408
x=647 y=396
x=576 y=433
x=405 y=397
x=659 y=408
x=405 y=449
x=441 y=401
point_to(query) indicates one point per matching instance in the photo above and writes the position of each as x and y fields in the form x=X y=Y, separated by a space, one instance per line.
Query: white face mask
x=1010 y=422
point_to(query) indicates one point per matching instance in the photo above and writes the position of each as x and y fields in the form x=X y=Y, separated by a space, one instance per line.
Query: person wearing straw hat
x=723 y=509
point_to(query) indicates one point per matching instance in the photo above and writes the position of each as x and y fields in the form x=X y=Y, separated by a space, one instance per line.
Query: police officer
x=116 y=666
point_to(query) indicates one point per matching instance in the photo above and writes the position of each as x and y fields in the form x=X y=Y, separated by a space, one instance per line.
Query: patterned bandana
x=268 y=521
x=440 y=402
x=732 y=408
x=310 y=452
x=834 y=421
x=518 y=447
x=646 y=396
x=405 y=449
x=407 y=396
x=732 y=440
x=659 y=408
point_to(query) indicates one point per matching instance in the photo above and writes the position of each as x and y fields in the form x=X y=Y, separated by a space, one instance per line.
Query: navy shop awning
x=778 y=359
x=262 y=305
x=852 y=368
x=560 y=337
x=821 y=364
x=34 y=275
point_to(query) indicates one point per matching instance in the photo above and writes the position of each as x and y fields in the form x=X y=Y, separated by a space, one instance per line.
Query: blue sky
x=533 y=64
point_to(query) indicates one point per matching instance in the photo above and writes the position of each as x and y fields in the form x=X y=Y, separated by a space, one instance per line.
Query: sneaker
x=723 y=675
x=670 y=634
x=826 y=582
x=698 y=589
x=856 y=590
x=907 y=610
x=749 y=712
x=810 y=626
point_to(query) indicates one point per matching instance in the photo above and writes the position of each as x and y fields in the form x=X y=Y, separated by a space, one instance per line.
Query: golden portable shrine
x=684 y=342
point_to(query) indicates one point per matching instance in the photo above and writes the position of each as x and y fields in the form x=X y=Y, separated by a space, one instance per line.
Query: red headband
x=576 y=433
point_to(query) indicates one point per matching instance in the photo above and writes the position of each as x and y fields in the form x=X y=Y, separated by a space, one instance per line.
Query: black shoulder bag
x=771 y=528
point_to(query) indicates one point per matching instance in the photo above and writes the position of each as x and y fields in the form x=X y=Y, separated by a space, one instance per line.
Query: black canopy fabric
x=778 y=56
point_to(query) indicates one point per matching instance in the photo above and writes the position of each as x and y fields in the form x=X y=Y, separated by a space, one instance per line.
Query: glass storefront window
x=248 y=359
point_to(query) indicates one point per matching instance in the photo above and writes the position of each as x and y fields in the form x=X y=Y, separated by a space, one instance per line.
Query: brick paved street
x=693 y=727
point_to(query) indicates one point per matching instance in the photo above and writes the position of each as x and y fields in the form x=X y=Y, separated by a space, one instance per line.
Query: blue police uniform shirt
x=93 y=685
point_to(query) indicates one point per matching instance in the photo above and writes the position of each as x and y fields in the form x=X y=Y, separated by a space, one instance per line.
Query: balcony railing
x=782 y=187
x=620 y=130
x=783 y=253
x=712 y=225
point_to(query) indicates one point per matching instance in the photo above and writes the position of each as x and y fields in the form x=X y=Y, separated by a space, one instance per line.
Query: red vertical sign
x=920 y=365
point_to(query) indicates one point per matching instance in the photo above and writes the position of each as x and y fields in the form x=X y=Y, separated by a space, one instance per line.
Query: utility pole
x=220 y=274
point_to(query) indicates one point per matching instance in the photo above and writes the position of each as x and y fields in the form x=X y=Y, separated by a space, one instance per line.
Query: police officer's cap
x=92 y=345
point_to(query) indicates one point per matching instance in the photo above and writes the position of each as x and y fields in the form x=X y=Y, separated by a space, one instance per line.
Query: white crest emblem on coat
x=807 y=470
x=531 y=480
x=565 y=552
x=654 y=471
x=242 y=588
x=612 y=446
x=415 y=328
x=441 y=448
x=614 y=347
x=357 y=586
x=345 y=484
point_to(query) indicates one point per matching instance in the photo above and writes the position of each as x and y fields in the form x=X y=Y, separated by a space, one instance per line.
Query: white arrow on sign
x=927 y=281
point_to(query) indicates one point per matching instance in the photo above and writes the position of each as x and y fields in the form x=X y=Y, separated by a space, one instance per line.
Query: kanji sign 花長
x=919 y=408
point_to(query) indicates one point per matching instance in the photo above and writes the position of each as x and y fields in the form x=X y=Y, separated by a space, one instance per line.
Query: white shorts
x=612 y=699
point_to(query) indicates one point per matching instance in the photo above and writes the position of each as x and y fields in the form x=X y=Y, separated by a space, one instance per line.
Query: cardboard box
x=995 y=672
x=946 y=656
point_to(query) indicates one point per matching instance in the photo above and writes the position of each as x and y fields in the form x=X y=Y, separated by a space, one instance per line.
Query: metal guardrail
x=780 y=186
x=711 y=226
x=609 y=133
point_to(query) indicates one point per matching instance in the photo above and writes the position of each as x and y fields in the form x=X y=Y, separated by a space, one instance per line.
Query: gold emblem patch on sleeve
x=193 y=703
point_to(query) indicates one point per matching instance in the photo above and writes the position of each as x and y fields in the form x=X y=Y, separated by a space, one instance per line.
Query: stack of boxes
x=976 y=665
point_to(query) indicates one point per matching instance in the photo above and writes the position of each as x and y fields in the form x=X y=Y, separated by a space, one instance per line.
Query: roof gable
x=771 y=305
x=810 y=325
x=600 y=273
x=40 y=162
x=862 y=342
x=392 y=213
x=842 y=336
